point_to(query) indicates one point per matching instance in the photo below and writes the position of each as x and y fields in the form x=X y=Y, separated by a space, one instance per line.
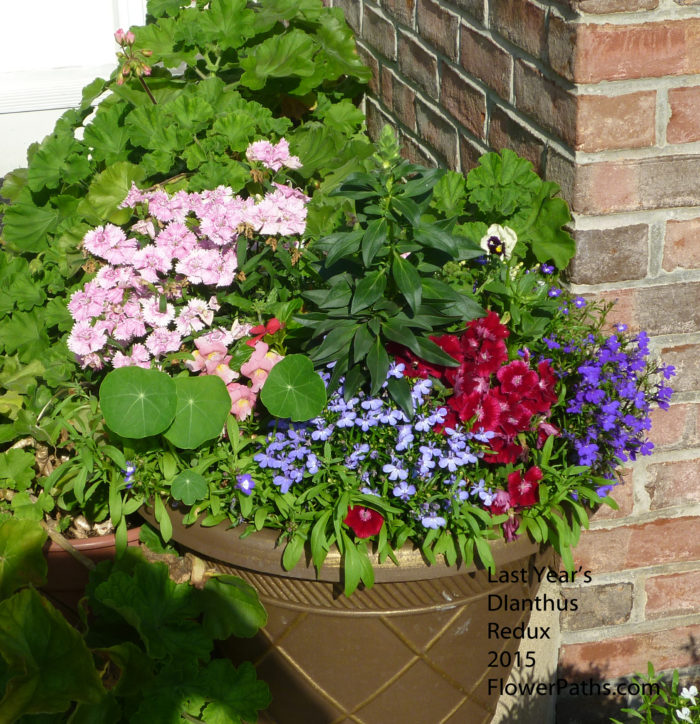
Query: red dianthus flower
x=364 y=522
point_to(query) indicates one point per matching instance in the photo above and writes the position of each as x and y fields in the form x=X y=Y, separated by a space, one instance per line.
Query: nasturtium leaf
x=49 y=665
x=189 y=487
x=137 y=402
x=203 y=404
x=293 y=389
x=21 y=558
x=231 y=608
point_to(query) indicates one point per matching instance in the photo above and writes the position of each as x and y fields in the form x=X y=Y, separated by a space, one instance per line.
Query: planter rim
x=259 y=552
x=94 y=542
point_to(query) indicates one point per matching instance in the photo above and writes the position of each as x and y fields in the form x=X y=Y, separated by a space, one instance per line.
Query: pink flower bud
x=129 y=38
x=119 y=36
x=146 y=69
x=147 y=53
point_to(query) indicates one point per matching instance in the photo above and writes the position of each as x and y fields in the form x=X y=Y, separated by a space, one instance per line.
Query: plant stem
x=57 y=538
x=147 y=89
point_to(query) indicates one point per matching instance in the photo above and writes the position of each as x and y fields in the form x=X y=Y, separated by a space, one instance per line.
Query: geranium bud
x=147 y=53
x=129 y=38
x=146 y=69
x=119 y=36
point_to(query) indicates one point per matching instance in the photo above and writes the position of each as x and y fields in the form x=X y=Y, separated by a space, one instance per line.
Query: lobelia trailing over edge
x=419 y=375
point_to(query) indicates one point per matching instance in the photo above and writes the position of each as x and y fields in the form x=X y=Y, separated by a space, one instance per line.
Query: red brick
x=669 y=181
x=376 y=119
x=485 y=60
x=686 y=359
x=682 y=245
x=602 y=188
x=550 y=105
x=466 y=104
x=624 y=655
x=413 y=151
x=507 y=132
x=677 y=594
x=623 y=495
x=438 y=133
x=603 y=7
x=684 y=124
x=438 y=27
x=373 y=64
x=475 y=8
x=403 y=10
x=674 y=483
x=625 y=250
x=418 y=64
x=672 y=428
x=668 y=540
x=469 y=154
x=399 y=97
x=351 y=9
x=625 y=121
x=379 y=33
x=520 y=22
x=617 y=52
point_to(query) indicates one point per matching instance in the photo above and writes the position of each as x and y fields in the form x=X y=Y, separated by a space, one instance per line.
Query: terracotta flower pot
x=68 y=577
x=413 y=649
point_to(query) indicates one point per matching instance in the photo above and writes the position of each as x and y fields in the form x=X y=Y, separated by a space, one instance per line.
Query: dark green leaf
x=231 y=608
x=407 y=280
x=368 y=290
x=373 y=240
x=378 y=364
x=337 y=342
x=400 y=392
x=21 y=557
x=362 y=343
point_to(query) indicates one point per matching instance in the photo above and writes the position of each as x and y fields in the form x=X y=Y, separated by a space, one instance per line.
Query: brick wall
x=603 y=96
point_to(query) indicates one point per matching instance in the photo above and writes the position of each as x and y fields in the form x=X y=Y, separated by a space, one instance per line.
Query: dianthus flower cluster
x=156 y=288
x=493 y=394
x=404 y=460
x=610 y=402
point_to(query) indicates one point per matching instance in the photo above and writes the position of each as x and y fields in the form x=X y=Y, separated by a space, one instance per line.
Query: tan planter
x=414 y=649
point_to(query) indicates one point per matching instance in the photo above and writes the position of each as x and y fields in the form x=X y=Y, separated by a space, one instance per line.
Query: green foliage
x=377 y=272
x=244 y=71
x=139 y=403
x=293 y=389
x=146 y=654
x=503 y=189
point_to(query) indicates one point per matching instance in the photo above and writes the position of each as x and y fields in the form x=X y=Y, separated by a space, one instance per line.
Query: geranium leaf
x=161 y=610
x=203 y=404
x=137 y=402
x=279 y=56
x=48 y=663
x=21 y=558
x=231 y=608
x=26 y=225
x=235 y=694
x=293 y=389
x=109 y=188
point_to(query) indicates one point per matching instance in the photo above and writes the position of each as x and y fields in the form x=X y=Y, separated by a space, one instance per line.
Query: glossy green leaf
x=27 y=226
x=137 y=402
x=340 y=245
x=373 y=240
x=294 y=389
x=203 y=404
x=362 y=343
x=336 y=343
x=400 y=392
x=378 y=364
x=407 y=280
x=368 y=290
x=189 y=487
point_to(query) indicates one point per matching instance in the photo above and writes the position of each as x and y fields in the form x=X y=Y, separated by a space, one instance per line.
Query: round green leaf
x=189 y=487
x=137 y=402
x=203 y=404
x=294 y=389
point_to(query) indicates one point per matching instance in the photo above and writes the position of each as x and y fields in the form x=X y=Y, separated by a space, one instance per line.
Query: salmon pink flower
x=242 y=400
